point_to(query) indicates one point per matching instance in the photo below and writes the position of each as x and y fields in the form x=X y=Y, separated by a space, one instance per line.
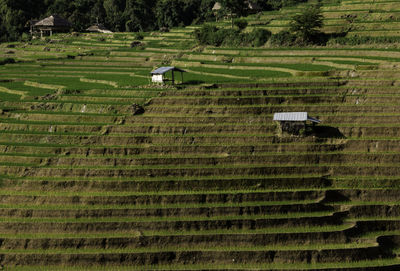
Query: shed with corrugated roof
x=293 y=122
x=158 y=75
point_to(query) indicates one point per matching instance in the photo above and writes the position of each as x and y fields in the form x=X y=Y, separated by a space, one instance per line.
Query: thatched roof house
x=98 y=28
x=253 y=7
x=217 y=6
x=53 y=23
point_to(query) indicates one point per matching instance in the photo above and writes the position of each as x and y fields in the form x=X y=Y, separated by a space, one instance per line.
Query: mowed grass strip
x=276 y=230
x=197 y=248
x=155 y=206
x=381 y=263
x=155 y=219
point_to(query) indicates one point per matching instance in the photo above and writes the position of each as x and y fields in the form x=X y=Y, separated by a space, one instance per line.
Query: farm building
x=252 y=7
x=293 y=122
x=51 y=24
x=98 y=28
x=159 y=75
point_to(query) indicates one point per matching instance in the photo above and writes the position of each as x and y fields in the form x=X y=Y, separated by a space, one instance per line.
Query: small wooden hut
x=158 y=75
x=293 y=122
x=252 y=7
x=51 y=24
x=98 y=28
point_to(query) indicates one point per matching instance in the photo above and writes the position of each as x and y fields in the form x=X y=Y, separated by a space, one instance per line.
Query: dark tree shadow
x=322 y=131
x=193 y=82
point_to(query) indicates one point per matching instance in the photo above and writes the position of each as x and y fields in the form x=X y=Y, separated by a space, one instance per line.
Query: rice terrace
x=103 y=169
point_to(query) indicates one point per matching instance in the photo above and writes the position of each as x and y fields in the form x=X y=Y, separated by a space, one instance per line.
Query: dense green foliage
x=118 y=15
x=307 y=24
x=212 y=35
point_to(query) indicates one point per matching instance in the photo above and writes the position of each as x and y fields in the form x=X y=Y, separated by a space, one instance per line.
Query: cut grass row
x=390 y=264
x=198 y=248
x=132 y=234
x=69 y=207
x=52 y=220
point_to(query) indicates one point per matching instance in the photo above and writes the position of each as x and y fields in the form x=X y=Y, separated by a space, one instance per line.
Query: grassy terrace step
x=291 y=145
x=273 y=108
x=272 y=158
x=68 y=108
x=187 y=171
x=386 y=264
x=90 y=139
x=322 y=52
x=180 y=184
x=300 y=99
x=95 y=129
x=181 y=149
x=374 y=209
x=148 y=211
x=59 y=117
x=173 y=224
x=219 y=255
x=249 y=92
x=148 y=120
x=39 y=241
x=375 y=224
x=193 y=171
x=104 y=137
x=167 y=197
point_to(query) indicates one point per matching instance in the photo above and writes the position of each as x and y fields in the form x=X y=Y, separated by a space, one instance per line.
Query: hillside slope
x=203 y=179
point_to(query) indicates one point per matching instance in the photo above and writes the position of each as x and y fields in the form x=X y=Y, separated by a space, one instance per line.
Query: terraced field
x=204 y=179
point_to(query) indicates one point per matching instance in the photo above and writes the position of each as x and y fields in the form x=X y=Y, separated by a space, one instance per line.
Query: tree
x=168 y=13
x=139 y=15
x=307 y=24
x=114 y=10
x=235 y=8
x=14 y=14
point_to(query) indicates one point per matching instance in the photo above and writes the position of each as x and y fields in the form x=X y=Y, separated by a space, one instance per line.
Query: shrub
x=259 y=36
x=7 y=61
x=139 y=36
x=283 y=38
x=205 y=33
x=26 y=37
x=231 y=37
x=241 y=24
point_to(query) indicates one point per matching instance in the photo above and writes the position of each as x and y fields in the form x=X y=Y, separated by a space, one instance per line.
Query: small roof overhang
x=163 y=70
x=294 y=116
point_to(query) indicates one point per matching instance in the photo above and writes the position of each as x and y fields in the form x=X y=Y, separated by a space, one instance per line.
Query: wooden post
x=182 y=77
x=173 y=78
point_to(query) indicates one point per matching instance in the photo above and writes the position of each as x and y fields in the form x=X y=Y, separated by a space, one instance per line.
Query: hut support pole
x=173 y=78
x=182 y=77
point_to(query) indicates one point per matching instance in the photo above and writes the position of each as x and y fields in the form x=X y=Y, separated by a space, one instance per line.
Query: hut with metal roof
x=159 y=75
x=51 y=24
x=98 y=28
x=294 y=122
